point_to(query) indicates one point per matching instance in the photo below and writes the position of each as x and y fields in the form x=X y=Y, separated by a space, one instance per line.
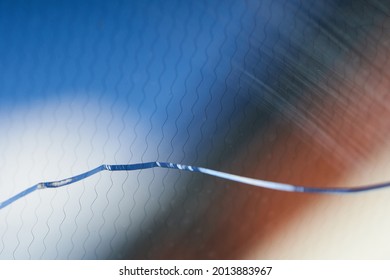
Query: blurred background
x=283 y=90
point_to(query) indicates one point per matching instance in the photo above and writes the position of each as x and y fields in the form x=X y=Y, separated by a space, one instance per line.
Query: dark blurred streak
x=317 y=105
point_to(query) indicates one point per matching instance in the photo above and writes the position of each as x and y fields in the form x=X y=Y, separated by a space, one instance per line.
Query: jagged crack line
x=223 y=175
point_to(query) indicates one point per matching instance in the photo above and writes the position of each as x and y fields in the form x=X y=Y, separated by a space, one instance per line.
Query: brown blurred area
x=336 y=135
